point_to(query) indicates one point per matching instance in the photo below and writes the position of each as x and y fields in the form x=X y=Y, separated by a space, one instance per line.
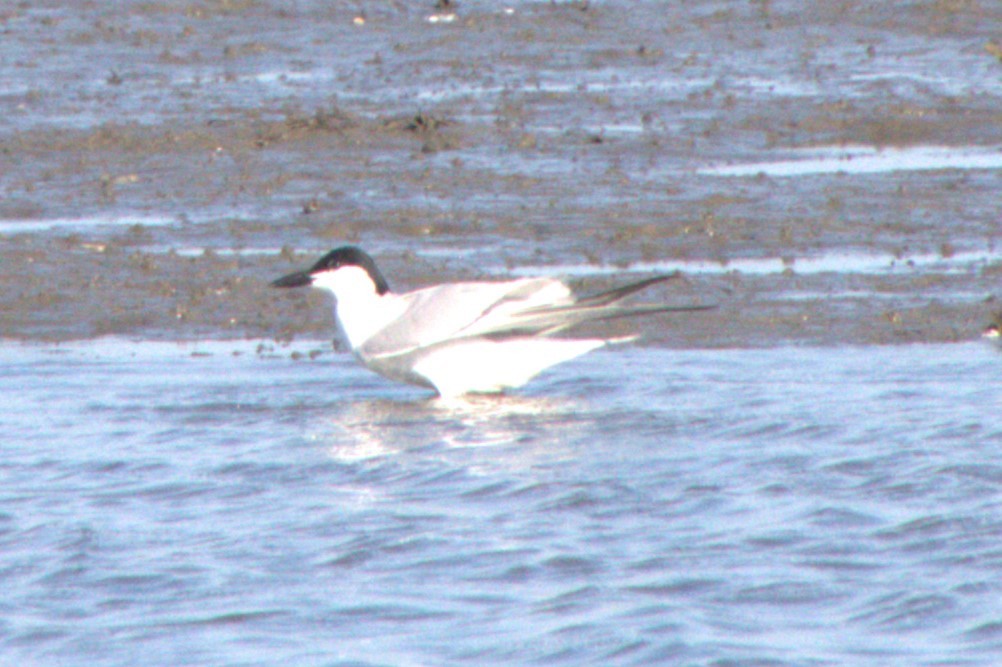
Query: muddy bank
x=72 y=289
x=160 y=164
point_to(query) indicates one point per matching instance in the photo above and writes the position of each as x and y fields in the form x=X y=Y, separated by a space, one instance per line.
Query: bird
x=993 y=332
x=474 y=337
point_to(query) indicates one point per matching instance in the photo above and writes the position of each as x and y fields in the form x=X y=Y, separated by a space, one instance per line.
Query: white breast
x=360 y=312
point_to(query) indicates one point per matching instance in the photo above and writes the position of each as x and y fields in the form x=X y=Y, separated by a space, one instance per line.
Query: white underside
x=457 y=338
x=480 y=365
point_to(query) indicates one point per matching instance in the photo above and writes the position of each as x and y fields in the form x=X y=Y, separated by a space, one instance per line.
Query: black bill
x=297 y=279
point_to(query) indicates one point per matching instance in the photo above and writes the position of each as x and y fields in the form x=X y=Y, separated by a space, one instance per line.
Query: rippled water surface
x=215 y=505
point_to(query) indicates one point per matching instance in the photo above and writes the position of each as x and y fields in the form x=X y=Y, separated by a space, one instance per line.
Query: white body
x=470 y=337
x=449 y=337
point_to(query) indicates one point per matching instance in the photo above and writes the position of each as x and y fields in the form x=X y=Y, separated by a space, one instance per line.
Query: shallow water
x=826 y=172
x=221 y=504
x=868 y=160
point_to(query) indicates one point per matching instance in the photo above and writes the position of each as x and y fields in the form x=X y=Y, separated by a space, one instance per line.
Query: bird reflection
x=522 y=429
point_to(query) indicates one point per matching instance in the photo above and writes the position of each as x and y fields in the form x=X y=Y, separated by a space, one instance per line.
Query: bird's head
x=343 y=271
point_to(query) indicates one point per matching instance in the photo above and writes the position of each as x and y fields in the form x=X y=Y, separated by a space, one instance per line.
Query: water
x=841 y=262
x=211 y=504
x=868 y=160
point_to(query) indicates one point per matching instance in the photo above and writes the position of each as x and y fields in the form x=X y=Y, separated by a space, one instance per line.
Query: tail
x=652 y=309
x=602 y=306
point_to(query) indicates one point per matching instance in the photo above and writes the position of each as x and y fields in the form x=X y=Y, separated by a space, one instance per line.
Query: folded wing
x=499 y=311
x=437 y=314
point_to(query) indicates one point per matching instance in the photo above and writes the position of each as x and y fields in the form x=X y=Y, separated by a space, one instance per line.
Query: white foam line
x=118 y=346
x=222 y=252
x=610 y=128
x=836 y=262
x=850 y=263
x=19 y=226
x=867 y=160
x=123 y=220
x=307 y=253
x=956 y=296
x=779 y=87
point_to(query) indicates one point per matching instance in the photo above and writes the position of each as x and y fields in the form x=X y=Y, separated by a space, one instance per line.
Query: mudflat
x=828 y=173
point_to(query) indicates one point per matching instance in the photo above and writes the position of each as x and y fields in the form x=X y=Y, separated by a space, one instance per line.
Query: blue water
x=212 y=505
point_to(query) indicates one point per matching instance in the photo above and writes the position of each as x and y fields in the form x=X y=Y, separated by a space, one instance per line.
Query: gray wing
x=529 y=307
x=438 y=314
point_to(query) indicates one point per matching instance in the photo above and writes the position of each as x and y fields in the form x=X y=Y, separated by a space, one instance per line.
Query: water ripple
x=805 y=506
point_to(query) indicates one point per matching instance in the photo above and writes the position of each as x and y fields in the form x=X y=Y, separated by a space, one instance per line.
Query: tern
x=465 y=337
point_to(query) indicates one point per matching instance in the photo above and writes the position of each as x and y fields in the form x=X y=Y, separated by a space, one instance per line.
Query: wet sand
x=160 y=164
